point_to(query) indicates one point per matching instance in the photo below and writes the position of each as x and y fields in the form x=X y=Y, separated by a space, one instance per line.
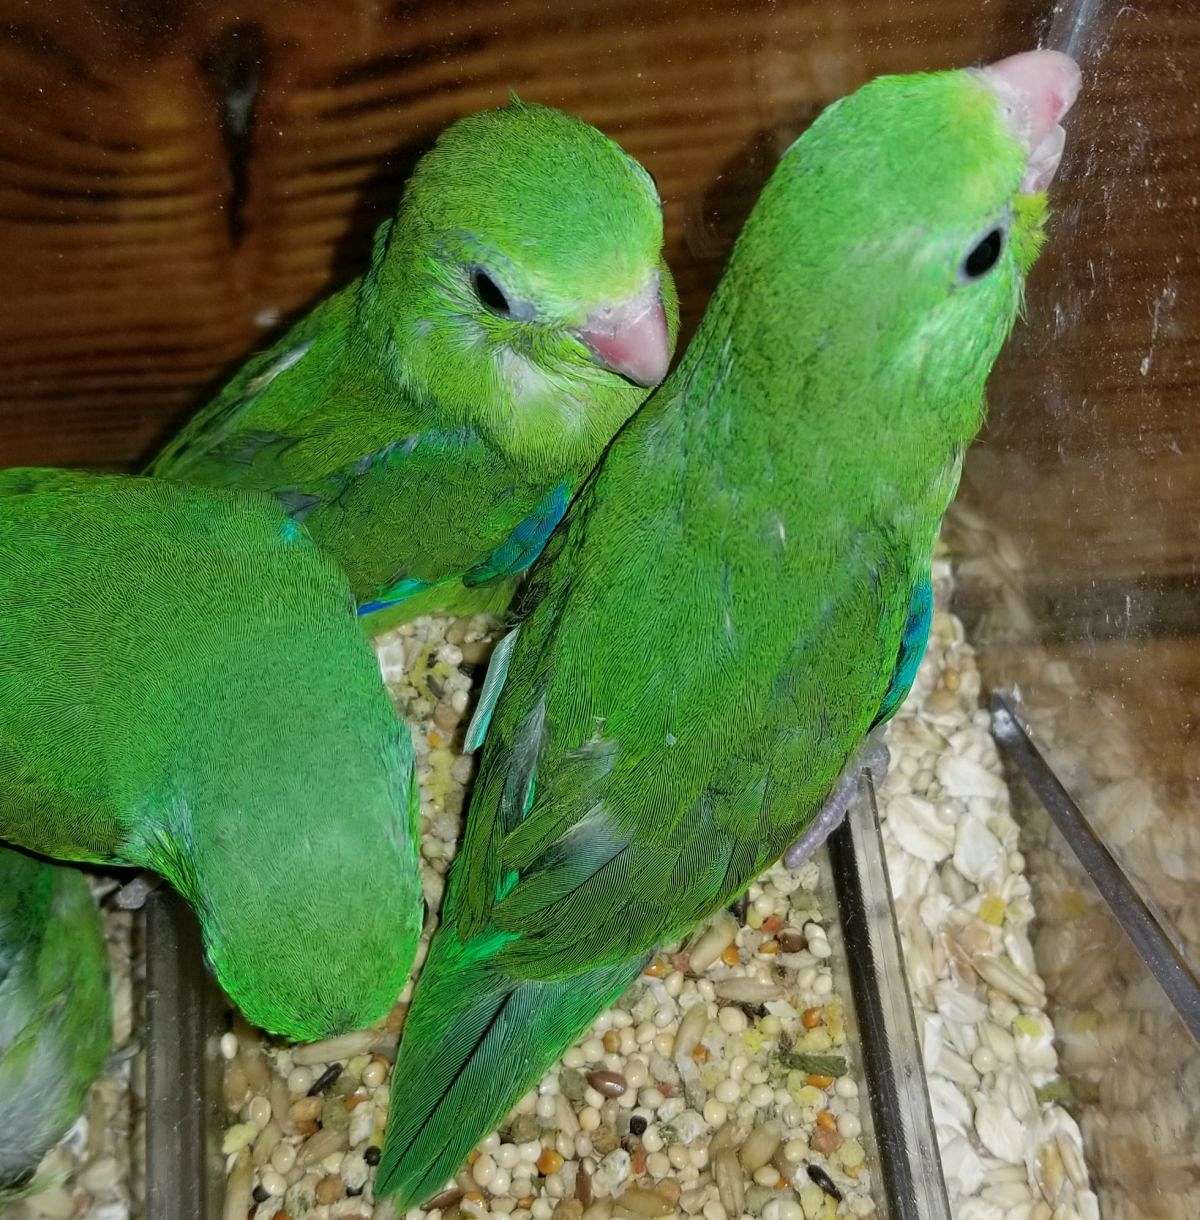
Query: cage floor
x=722 y=1085
x=719 y=1085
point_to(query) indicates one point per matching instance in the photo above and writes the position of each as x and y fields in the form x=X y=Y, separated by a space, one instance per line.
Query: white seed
x=732 y=1020
x=728 y=1092
x=273 y=1183
x=299 y=1081
x=730 y=1185
x=760 y=1096
x=984 y=1060
x=334 y=1050
x=283 y=1158
x=1009 y=978
x=746 y=991
x=691 y=1030
x=711 y=942
x=1000 y=1131
x=760 y=1145
x=238 y=1188
x=636 y=1073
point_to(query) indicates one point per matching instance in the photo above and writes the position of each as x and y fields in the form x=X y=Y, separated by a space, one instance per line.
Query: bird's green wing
x=256 y=414
x=55 y=1022
x=361 y=466
x=622 y=765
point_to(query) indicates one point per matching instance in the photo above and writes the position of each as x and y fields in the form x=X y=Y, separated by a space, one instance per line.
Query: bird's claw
x=873 y=757
x=133 y=894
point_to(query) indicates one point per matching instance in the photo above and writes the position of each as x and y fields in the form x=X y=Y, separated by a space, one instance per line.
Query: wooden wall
x=177 y=176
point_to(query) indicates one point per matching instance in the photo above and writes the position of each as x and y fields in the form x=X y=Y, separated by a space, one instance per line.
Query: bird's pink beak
x=631 y=337
x=1037 y=88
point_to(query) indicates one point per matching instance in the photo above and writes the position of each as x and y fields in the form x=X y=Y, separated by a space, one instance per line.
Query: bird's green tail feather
x=475 y=1042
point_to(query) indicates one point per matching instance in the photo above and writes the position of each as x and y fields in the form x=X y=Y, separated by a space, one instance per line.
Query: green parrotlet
x=184 y=688
x=429 y=422
x=55 y=1012
x=740 y=591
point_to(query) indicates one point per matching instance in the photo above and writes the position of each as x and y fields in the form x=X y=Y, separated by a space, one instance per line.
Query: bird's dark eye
x=983 y=255
x=490 y=293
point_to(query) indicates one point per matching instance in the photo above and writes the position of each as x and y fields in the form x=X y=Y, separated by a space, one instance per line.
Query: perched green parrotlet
x=184 y=688
x=737 y=595
x=429 y=422
x=55 y=1013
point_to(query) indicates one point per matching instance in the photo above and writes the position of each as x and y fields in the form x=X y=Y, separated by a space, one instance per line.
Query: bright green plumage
x=55 y=1017
x=723 y=613
x=184 y=688
x=427 y=441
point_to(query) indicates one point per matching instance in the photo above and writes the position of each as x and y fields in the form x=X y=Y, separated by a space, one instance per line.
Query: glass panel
x=1077 y=524
x=1129 y=1068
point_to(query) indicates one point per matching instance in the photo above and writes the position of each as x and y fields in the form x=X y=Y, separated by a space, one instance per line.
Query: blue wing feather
x=403 y=589
x=493 y=684
x=518 y=551
x=912 y=648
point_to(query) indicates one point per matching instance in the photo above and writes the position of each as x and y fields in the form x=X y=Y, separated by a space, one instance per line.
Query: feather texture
x=184 y=688
x=55 y=1017
x=428 y=422
x=715 y=626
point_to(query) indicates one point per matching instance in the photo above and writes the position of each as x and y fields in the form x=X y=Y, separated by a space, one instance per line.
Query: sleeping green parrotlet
x=55 y=1013
x=184 y=688
x=737 y=595
x=429 y=422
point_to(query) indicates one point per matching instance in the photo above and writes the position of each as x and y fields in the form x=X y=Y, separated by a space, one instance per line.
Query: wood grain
x=177 y=177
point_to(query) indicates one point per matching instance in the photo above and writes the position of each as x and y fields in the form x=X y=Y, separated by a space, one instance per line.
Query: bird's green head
x=522 y=284
x=915 y=208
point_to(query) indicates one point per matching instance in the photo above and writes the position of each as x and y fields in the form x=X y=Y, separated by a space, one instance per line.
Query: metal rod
x=185 y=1177
x=1139 y=922
x=909 y=1161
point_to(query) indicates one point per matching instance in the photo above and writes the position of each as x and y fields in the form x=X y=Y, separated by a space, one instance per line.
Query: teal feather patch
x=524 y=544
x=493 y=684
x=393 y=595
x=912 y=649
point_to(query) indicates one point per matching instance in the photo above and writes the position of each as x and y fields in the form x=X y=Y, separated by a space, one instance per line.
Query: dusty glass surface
x=1078 y=522
x=1079 y=574
x=1130 y=1069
